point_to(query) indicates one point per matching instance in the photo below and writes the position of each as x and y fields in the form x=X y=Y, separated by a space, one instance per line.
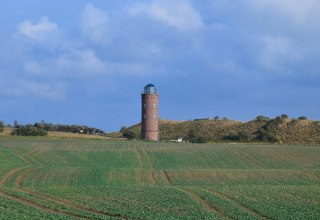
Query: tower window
x=145 y=105
x=154 y=116
x=145 y=116
x=154 y=105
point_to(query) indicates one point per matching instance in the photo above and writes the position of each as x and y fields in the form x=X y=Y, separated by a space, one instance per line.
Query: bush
x=269 y=131
x=241 y=136
x=202 y=140
x=303 y=118
x=262 y=118
x=1 y=126
x=29 y=130
x=129 y=134
x=123 y=128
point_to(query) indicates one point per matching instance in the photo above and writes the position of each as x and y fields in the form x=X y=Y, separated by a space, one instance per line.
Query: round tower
x=149 y=116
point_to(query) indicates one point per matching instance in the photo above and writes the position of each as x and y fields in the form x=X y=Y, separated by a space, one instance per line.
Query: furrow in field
x=21 y=157
x=152 y=177
x=71 y=204
x=43 y=208
x=236 y=203
x=205 y=204
x=250 y=158
x=138 y=176
x=20 y=179
x=314 y=175
x=8 y=175
x=28 y=158
x=37 y=153
x=166 y=178
x=147 y=154
x=31 y=152
x=137 y=151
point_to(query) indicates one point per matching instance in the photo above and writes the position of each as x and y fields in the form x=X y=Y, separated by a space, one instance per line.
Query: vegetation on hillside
x=281 y=129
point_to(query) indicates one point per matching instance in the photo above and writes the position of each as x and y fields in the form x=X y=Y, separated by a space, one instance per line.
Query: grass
x=77 y=178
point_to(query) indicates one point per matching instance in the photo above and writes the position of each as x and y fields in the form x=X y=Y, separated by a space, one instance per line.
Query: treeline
x=42 y=128
x=29 y=130
x=81 y=129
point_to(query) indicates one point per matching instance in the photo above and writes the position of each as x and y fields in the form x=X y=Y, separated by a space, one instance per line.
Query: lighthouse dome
x=150 y=89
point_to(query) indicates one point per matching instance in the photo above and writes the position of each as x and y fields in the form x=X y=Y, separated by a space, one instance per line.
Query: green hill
x=278 y=130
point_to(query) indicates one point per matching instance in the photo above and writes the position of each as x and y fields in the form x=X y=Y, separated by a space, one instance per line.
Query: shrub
x=29 y=130
x=1 y=126
x=303 y=118
x=123 y=128
x=192 y=136
x=241 y=136
x=129 y=134
x=262 y=118
x=202 y=140
x=269 y=131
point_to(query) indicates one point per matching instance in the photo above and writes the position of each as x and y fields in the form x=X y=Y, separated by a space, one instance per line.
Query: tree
x=192 y=135
x=303 y=118
x=1 y=126
x=123 y=128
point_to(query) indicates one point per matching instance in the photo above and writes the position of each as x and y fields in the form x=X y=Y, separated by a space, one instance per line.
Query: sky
x=86 y=62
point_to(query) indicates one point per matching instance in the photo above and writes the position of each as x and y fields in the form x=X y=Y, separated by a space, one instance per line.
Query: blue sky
x=86 y=62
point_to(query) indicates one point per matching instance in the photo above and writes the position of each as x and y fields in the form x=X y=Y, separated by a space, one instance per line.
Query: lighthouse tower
x=149 y=119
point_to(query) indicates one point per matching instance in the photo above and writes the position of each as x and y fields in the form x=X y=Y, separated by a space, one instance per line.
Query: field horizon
x=73 y=178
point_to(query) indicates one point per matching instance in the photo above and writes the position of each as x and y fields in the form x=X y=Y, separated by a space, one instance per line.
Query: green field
x=51 y=178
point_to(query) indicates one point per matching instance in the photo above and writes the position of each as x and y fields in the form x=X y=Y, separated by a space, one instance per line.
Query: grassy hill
x=50 y=178
x=279 y=130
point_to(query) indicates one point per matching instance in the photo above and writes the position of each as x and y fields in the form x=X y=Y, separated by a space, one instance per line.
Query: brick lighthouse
x=149 y=116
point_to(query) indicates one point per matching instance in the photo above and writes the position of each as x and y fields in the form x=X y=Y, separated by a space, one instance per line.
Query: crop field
x=52 y=178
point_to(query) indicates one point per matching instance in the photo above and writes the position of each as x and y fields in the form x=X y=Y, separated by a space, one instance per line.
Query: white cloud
x=44 y=30
x=94 y=24
x=277 y=51
x=300 y=12
x=73 y=64
x=85 y=64
x=14 y=86
x=177 y=13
